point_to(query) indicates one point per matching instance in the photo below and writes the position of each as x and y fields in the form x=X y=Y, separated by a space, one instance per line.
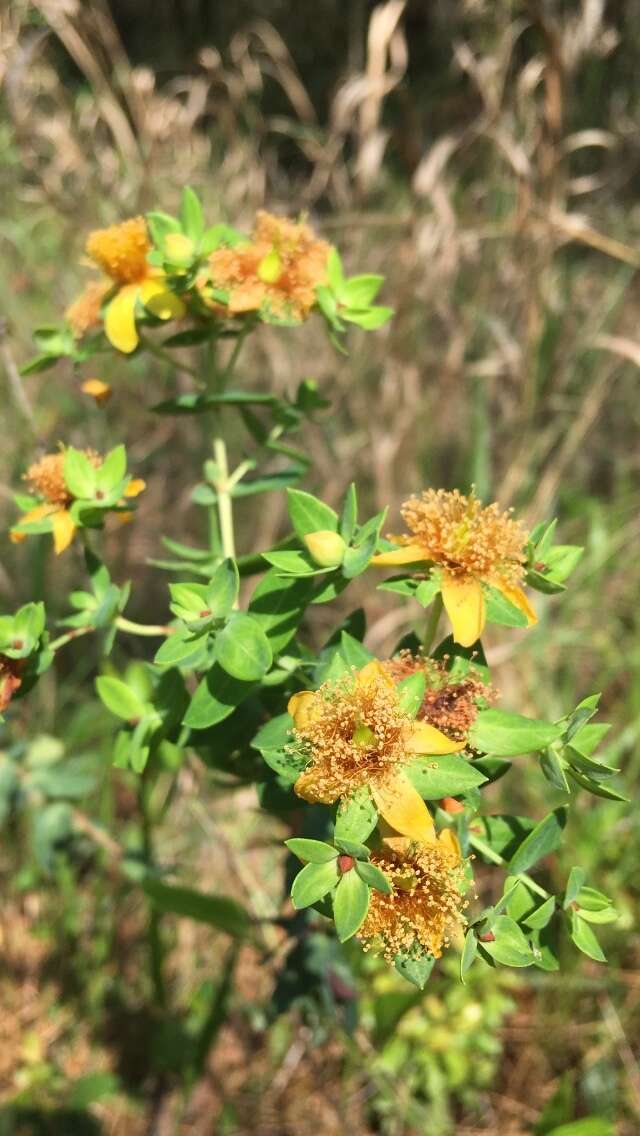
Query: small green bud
x=326 y=548
x=179 y=249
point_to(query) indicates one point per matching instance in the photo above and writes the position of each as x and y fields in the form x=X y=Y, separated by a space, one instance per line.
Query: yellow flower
x=424 y=908
x=472 y=545
x=121 y=252
x=355 y=733
x=278 y=271
x=46 y=480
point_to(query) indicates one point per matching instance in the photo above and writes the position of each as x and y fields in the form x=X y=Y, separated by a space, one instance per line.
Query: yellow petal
x=372 y=674
x=407 y=554
x=403 y=808
x=160 y=301
x=307 y=787
x=36 y=514
x=135 y=487
x=518 y=599
x=451 y=844
x=119 y=319
x=427 y=739
x=304 y=707
x=463 y=600
x=64 y=530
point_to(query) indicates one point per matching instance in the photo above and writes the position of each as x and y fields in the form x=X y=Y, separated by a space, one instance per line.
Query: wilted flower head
x=84 y=313
x=45 y=477
x=353 y=732
x=449 y=706
x=277 y=272
x=472 y=545
x=424 y=908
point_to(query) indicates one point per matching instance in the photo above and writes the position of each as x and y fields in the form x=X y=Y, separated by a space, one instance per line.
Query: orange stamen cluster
x=121 y=250
x=285 y=284
x=84 y=313
x=424 y=908
x=357 y=734
x=46 y=477
x=465 y=538
x=449 y=706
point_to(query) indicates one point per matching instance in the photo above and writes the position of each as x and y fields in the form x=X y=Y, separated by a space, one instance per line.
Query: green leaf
x=222 y=589
x=368 y=318
x=215 y=698
x=313 y=851
x=591 y=899
x=504 y=834
x=313 y=882
x=191 y=214
x=242 y=648
x=415 y=970
x=293 y=563
x=285 y=763
x=79 y=474
x=585 y=939
x=553 y=768
x=443 y=775
x=278 y=604
x=503 y=734
x=469 y=952
x=119 y=698
x=427 y=590
x=354 y=653
x=360 y=291
x=275 y=734
x=308 y=514
x=411 y=692
x=112 y=471
x=350 y=905
x=595 y=787
x=335 y=271
x=373 y=877
x=500 y=610
x=352 y=848
x=542 y=840
x=183 y=649
x=201 y=403
x=356 y=817
x=510 y=947
x=542 y=915
x=349 y=515
x=218 y=911
x=574 y=883
x=587 y=1126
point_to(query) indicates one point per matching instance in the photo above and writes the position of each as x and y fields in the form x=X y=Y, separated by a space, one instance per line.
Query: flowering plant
x=377 y=767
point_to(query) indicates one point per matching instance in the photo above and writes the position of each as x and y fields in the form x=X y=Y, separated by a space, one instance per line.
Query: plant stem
x=432 y=623
x=160 y=353
x=69 y=636
x=225 y=507
x=142 y=628
x=156 y=949
x=495 y=857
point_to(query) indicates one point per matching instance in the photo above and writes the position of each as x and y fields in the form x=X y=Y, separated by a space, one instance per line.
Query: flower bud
x=345 y=863
x=179 y=249
x=97 y=389
x=326 y=548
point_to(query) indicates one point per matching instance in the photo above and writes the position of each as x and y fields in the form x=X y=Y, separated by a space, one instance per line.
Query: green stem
x=432 y=623
x=142 y=628
x=225 y=506
x=69 y=636
x=160 y=353
x=154 y=930
x=495 y=857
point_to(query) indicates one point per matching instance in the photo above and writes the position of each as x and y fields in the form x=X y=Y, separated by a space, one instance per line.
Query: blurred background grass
x=484 y=155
